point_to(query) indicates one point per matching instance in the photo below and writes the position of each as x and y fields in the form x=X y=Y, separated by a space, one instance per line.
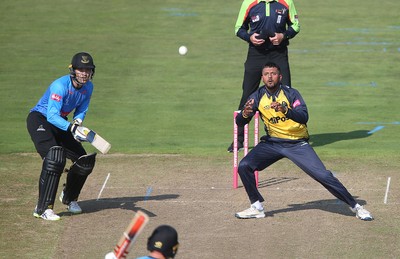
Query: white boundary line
x=387 y=190
x=104 y=185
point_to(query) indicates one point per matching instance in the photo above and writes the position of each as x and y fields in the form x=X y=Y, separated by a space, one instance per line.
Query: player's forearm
x=241 y=120
x=300 y=116
x=58 y=121
x=81 y=110
x=290 y=33
x=243 y=35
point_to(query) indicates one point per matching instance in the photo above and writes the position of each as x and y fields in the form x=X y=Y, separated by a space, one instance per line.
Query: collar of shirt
x=273 y=95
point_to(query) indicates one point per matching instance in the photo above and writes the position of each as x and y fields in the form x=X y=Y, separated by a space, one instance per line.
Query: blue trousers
x=302 y=154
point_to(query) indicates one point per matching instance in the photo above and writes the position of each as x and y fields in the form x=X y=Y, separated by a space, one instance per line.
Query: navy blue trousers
x=302 y=154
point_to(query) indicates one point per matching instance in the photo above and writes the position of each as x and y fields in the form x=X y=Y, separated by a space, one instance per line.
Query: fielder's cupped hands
x=278 y=107
x=248 y=108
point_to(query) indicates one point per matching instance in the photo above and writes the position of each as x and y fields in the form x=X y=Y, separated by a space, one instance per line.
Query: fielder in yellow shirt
x=285 y=116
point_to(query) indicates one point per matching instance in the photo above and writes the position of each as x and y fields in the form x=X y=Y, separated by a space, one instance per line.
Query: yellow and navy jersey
x=279 y=126
x=267 y=18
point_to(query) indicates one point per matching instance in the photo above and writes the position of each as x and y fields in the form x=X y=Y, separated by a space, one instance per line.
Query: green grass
x=148 y=99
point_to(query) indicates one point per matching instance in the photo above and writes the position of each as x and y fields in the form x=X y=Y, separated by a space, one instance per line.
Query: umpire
x=267 y=26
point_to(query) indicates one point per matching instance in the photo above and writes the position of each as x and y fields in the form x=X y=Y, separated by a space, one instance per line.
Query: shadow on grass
x=318 y=140
x=126 y=203
x=331 y=205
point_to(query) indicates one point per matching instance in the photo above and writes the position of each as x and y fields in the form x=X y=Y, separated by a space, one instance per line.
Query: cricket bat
x=136 y=226
x=95 y=139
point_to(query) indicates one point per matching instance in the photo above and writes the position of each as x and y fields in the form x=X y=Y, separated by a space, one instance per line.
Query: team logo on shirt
x=281 y=11
x=277 y=119
x=255 y=18
x=296 y=103
x=56 y=97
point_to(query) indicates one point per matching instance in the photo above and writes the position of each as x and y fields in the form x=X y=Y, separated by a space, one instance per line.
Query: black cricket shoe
x=240 y=147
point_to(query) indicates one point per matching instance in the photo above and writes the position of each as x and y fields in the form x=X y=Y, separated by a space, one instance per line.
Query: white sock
x=356 y=206
x=258 y=205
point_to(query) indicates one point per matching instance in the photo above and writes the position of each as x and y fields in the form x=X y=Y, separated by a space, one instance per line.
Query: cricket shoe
x=250 y=213
x=240 y=147
x=73 y=206
x=362 y=213
x=47 y=215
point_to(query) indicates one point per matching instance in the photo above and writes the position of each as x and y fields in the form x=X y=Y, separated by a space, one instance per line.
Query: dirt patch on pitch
x=195 y=196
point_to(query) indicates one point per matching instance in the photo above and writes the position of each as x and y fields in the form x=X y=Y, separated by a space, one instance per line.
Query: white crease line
x=387 y=190
x=104 y=185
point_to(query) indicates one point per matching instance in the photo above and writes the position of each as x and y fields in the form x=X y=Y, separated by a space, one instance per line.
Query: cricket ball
x=183 y=50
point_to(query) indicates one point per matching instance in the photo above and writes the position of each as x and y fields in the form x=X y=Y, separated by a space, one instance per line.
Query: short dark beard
x=274 y=89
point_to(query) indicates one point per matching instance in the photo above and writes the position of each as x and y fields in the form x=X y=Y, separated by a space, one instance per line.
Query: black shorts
x=45 y=135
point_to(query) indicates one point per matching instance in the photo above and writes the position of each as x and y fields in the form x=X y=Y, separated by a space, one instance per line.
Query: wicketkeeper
x=56 y=139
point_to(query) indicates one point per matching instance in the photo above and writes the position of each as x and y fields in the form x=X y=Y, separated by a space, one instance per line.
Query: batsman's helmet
x=81 y=60
x=164 y=239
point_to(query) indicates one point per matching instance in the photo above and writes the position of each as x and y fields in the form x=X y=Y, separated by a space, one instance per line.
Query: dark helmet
x=164 y=239
x=82 y=60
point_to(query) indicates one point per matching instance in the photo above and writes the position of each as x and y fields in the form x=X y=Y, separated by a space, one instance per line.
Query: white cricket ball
x=183 y=50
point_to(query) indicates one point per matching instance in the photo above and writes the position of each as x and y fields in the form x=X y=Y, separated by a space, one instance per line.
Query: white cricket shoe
x=250 y=213
x=74 y=208
x=362 y=213
x=47 y=215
